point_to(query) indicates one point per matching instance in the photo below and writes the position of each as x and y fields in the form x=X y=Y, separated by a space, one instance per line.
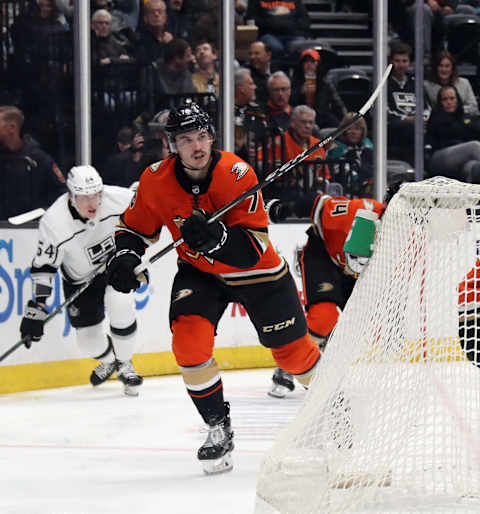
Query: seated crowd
x=148 y=56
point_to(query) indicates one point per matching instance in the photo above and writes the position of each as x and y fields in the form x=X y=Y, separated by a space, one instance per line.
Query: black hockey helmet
x=185 y=118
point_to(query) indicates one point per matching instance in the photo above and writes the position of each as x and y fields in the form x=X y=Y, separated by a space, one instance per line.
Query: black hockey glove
x=31 y=326
x=120 y=271
x=277 y=210
x=202 y=236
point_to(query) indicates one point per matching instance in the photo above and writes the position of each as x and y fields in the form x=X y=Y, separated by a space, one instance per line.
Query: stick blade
x=20 y=219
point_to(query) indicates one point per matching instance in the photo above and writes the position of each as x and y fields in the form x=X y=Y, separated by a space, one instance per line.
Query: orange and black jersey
x=332 y=219
x=166 y=196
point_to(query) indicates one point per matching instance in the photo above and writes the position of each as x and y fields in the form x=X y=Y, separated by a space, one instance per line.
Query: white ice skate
x=129 y=377
x=102 y=372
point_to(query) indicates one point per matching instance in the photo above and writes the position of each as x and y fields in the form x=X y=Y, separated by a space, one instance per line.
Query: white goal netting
x=391 y=422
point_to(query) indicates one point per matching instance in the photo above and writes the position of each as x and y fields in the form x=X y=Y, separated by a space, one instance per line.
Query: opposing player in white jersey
x=76 y=234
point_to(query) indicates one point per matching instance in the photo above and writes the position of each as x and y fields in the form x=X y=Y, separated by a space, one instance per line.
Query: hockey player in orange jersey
x=228 y=260
x=469 y=314
x=328 y=273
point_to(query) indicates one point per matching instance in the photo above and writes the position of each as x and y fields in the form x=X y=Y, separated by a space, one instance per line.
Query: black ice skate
x=102 y=372
x=129 y=377
x=216 y=452
x=282 y=383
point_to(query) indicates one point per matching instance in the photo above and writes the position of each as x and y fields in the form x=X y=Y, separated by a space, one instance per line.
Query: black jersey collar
x=192 y=186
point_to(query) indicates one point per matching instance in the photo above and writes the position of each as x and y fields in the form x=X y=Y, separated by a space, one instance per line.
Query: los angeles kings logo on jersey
x=98 y=252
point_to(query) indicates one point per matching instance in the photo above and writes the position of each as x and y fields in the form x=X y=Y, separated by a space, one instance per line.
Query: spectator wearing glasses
x=106 y=48
x=278 y=108
x=153 y=37
x=297 y=138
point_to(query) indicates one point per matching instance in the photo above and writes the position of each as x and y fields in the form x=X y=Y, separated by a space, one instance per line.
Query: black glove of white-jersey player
x=31 y=326
x=120 y=271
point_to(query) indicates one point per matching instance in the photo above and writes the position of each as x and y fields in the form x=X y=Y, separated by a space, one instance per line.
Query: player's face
x=87 y=205
x=195 y=148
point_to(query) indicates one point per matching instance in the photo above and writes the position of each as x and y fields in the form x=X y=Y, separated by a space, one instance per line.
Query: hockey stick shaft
x=20 y=219
x=57 y=309
x=278 y=172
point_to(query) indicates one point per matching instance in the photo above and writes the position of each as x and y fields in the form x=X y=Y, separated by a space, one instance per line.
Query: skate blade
x=278 y=391
x=221 y=465
x=130 y=390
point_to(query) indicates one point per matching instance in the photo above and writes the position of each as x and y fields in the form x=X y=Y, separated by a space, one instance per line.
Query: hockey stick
x=276 y=173
x=20 y=219
x=57 y=309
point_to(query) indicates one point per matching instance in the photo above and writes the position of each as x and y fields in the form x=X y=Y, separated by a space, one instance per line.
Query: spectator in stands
x=32 y=36
x=125 y=167
x=279 y=23
x=296 y=139
x=454 y=137
x=444 y=73
x=355 y=147
x=131 y=8
x=240 y=11
x=206 y=79
x=207 y=24
x=278 y=108
x=309 y=87
x=30 y=178
x=179 y=22
x=42 y=43
x=152 y=128
x=153 y=37
x=175 y=76
x=66 y=8
x=260 y=65
x=120 y=22
x=401 y=103
x=106 y=48
x=250 y=121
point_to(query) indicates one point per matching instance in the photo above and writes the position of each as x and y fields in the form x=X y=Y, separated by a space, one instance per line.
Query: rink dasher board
x=55 y=361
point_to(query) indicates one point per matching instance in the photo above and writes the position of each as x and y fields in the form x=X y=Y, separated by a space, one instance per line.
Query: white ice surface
x=80 y=450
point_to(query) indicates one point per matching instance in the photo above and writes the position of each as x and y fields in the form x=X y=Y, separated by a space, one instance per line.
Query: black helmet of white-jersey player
x=186 y=118
x=83 y=181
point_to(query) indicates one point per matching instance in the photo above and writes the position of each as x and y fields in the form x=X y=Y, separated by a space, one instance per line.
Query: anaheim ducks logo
x=154 y=167
x=240 y=169
x=324 y=287
x=183 y=293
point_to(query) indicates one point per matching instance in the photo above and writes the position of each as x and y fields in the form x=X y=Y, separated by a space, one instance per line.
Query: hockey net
x=391 y=422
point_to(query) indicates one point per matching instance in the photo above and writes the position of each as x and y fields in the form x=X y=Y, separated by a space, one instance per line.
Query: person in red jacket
x=228 y=260
x=283 y=148
x=328 y=273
